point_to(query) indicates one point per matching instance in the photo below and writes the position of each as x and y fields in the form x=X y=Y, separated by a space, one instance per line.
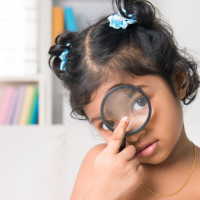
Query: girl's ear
x=180 y=83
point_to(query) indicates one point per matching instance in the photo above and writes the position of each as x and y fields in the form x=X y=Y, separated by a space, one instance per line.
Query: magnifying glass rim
x=122 y=87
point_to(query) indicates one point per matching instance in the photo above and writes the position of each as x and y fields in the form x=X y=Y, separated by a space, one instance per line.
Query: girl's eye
x=110 y=122
x=139 y=104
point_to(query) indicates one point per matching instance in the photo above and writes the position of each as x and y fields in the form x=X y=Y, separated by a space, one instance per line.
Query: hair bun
x=145 y=13
x=143 y=10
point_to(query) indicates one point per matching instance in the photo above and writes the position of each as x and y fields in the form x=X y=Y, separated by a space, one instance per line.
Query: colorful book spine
x=5 y=103
x=1 y=93
x=35 y=112
x=21 y=92
x=26 y=108
x=58 y=25
x=70 y=20
x=34 y=108
x=12 y=107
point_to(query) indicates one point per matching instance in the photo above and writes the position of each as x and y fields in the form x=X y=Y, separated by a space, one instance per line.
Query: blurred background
x=41 y=146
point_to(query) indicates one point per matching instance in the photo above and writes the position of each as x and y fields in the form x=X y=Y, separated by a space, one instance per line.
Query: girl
x=132 y=47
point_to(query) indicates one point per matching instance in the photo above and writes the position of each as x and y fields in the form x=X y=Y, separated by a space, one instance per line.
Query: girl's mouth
x=147 y=149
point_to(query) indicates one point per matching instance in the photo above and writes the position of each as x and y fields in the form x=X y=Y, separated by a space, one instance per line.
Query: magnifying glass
x=126 y=100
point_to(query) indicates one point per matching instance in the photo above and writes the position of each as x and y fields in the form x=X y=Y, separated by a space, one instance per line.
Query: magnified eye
x=139 y=103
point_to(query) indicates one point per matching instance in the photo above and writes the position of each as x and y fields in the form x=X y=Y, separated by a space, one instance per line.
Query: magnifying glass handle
x=123 y=145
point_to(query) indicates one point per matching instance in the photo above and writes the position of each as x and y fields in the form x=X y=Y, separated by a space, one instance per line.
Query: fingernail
x=125 y=119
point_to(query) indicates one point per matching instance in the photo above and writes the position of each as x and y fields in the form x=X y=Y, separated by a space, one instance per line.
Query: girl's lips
x=146 y=149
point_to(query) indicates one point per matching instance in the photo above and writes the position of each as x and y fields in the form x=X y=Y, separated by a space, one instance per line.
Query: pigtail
x=62 y=42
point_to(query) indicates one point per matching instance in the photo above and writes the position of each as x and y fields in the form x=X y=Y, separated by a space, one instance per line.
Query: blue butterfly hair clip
x=117 y=21
x=63 y=58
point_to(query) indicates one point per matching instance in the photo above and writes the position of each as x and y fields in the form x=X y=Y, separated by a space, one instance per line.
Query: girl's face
x=166 y=123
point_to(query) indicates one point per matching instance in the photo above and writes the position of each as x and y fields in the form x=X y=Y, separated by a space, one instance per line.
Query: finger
x=128 y=152
x=118 y=135
x=123 y=144
x=135 y=163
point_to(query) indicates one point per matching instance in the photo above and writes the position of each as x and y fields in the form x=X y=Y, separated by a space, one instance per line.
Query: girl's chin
x=150 y=162
x=156 y=159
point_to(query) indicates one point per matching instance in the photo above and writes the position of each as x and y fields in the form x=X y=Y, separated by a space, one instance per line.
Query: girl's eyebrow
x=141 y=86
x=95 y=119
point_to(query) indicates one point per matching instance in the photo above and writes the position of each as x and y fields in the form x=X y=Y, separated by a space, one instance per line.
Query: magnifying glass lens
x=126 y=100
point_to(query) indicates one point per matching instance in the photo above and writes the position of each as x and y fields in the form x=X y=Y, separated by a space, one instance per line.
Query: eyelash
x=100 y=126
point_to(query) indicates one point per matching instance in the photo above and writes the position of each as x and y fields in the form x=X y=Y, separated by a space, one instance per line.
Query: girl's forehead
x=125 y=79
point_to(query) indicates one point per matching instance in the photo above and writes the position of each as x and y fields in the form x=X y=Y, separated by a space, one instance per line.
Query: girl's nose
x=134 y=138
x=136 y=123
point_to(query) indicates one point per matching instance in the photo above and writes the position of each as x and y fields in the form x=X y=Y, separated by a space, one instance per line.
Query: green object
x=35 y=97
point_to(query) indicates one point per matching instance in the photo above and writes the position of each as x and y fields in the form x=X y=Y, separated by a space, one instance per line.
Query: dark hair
x=147 y=47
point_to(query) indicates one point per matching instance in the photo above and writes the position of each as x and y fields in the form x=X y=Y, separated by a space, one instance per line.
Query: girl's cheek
x=154 y=113
x=106 y=135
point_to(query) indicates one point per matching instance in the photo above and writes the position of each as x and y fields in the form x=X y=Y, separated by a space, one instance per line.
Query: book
x=58 y=25
x=1 y=92
x=21 y=92
x=70 y=20
x=12 y=107
x=26 y=106
x=35 y=112
x=34 y=108
x=5 y=103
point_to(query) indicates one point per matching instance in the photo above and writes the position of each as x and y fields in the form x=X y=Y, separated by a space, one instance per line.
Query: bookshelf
x=39 y=13
x=50 y=89
x=35 y=80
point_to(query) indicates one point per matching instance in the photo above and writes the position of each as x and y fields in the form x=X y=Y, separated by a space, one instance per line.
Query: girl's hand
x=116 y=174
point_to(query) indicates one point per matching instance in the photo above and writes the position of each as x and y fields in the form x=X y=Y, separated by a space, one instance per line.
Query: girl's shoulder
x=94 y=151
x=88 y=161
x=85 y=174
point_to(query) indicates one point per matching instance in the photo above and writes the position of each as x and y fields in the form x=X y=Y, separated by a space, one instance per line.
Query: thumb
x=118 y=135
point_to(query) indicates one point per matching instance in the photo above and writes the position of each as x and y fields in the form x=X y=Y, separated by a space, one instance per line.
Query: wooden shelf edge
x=33 y=78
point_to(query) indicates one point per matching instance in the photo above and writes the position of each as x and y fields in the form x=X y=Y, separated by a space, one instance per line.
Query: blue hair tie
x=63 y=58
x=117 y=21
